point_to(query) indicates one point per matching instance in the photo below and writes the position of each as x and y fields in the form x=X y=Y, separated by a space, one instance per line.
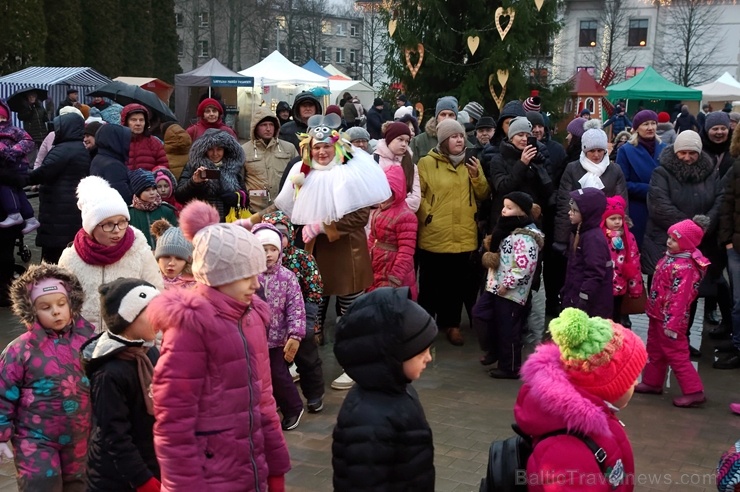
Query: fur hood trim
x=431 y=127
x=556 y=395
x=21 y=297
x=535 y=234
x=694 y=173
x=233 y=159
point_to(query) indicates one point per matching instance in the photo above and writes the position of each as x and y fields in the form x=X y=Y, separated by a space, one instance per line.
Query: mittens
x=310 y=232
x=290 y=349
x=276 y=483
x=491 y=260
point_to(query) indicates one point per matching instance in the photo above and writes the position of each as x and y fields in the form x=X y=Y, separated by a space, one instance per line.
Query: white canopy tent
x=278 y=70
x=725 y=88
x=361 y=89
x=334 y=70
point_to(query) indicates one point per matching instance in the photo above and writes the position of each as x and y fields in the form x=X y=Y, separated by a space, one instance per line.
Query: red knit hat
x=687 y=233
x=599 y=356
x=395 y=130
x=663 y=117
x=209 y=102
x=615 y=205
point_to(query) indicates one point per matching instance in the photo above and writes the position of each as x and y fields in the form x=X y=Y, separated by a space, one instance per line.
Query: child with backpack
x=174 y=255
x=511 y=260
x=287 y=327
x=303 y=265
x=589 y=274
x=624 y=252
x=44 y=394
x=571 y=393
x=147 y=206
x=382 y=440
x=120 y=364
x=392 y=237
x=675 y=286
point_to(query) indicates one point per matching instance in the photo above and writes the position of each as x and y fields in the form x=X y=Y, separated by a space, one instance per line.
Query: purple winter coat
x=280 y=289
x=588 y=279
x=15 y=145
x=217 y=426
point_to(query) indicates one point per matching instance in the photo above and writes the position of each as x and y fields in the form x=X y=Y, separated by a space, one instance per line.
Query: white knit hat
x=687 y=140
x=269 y=236
x=594 y=138
x=97 y=201
x=72 y=110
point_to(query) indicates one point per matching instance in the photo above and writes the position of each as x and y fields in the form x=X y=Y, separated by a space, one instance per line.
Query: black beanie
x=418 y=330
x=122 y=300
x=522 y=199
x=536 y=118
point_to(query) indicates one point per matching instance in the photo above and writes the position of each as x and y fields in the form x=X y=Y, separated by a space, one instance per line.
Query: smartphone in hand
x=210 y=174
x=532 y=141
x=470 y=153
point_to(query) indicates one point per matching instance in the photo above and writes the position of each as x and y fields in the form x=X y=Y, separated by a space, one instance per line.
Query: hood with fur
x=549 y=401
x=233 y=153
x=20 y=290
x=431 y=127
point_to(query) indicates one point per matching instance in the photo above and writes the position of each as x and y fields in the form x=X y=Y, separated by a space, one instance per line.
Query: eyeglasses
x=111 y=226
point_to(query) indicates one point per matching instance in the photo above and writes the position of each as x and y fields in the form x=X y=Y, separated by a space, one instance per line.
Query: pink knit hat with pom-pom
x=222 y=253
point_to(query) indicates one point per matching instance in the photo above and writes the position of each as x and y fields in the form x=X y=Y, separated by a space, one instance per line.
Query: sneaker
x=315 y=406
x=646 y=389
x=12 y=220
x=690 y=400
x=730 y=361
x=294 y=373
x=31 y=225
x=735 y=408
x=290 y=423
x=343 y=382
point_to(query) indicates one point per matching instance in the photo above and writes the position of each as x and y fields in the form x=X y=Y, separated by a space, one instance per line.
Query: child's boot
x=690 y=400
x=646 y=389
x=11 y=220
x=31 y=225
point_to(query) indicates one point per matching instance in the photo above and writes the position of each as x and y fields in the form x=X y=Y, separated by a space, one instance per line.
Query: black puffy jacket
x=120 y=453
x=60 y=173
x=290 y=130
x=382 y=440
x=113 y=142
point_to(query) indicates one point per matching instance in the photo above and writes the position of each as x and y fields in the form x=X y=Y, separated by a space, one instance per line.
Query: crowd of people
x=186 y=280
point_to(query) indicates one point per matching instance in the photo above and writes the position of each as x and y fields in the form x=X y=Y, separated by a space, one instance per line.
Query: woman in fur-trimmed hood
x=215 y=150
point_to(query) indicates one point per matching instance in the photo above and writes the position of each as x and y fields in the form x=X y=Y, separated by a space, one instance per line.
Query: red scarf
x=94 y=253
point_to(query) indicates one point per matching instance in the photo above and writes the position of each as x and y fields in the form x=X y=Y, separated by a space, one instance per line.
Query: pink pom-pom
x=195 y=216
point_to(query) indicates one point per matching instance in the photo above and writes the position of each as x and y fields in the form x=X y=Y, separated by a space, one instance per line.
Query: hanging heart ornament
x=414 y=69
x=473 y=43
x=539 y=4
x=499 y=100
x=392 y=27
x=503 y=77
x=501 y=12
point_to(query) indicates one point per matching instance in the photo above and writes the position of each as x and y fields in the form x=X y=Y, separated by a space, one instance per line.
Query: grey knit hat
x=447 y=128
x=170 y=241
x=687 y=140
x=716 y=118
x=446 y=103
x=595 y=138
x=474 y=109
x=517 y=125
x=358 y=133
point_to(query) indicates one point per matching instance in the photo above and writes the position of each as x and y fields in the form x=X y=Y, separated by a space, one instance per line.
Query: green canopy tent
x=650 y=85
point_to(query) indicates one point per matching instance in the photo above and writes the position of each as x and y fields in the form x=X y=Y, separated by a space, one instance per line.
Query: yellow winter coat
x=448 y=205
x=265 y=163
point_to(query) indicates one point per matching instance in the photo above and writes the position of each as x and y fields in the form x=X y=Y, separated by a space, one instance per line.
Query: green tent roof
x=649 y=84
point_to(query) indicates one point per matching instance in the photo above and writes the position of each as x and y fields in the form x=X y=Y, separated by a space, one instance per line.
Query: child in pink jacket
x=625 y=253
x=675 y=286
x=393 y=150
x=217 y=427
x=392 y=237
x=44 y=393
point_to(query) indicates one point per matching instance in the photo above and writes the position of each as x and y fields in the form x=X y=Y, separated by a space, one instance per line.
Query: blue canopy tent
x=55 y=80
x=313 y=66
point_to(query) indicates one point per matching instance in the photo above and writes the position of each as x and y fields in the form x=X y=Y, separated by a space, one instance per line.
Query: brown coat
x=177 y=144
x=342 y=255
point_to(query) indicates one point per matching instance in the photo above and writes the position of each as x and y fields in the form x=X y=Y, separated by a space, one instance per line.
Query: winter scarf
x=649 y=144
x=145 y=369
x=716 y=148
x=454 y=159
x=592 y=178
x=95 y=254
x=697 y=172
x=140 y=204
x=505 y=226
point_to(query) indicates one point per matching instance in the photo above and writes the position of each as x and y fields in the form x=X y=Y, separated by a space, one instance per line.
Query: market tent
x=334 y=70
x=162 y=89
x=649 y=84
x=278 y=70
x=361 y=89
x=210 y=74
x=313 y=66
x=55 y=80
x=725 y=88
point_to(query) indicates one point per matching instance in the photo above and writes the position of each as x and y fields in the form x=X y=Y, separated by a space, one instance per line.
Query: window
x=590 y=105
x=340 y=29
x=630 y=72
x=203 y=19
x=180 y=48
x=353 y=30
x=354 y=56
x=590 y=70
x=325 y=55
x=203 y=49
x=587 y=34
x=340 y=55
x=179 y=22
x=638 y=33
x=325 y=27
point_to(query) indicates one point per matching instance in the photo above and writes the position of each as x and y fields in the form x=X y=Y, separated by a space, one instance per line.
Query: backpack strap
x=377 y=158
x=599 y=453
